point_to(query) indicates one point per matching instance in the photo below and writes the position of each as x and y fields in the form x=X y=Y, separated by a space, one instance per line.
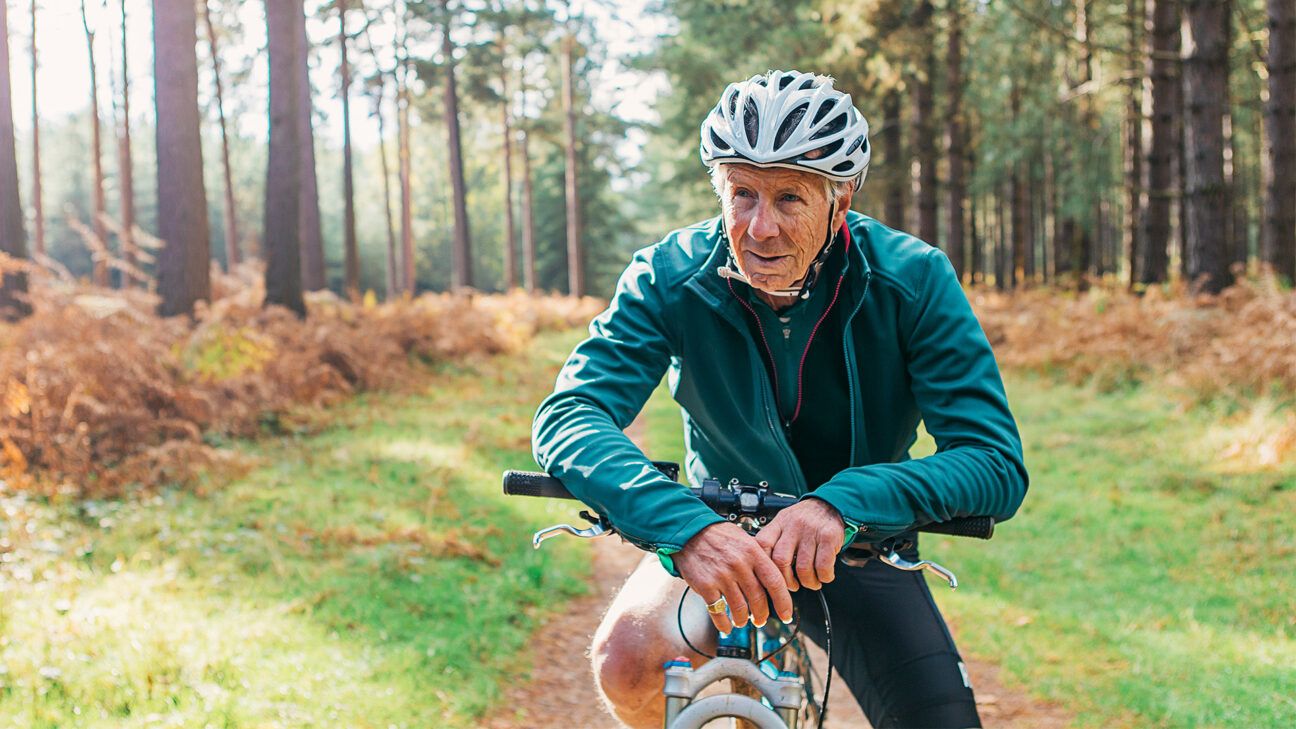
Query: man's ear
x=843 y=205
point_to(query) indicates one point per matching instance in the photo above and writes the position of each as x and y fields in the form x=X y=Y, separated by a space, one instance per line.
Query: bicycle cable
x=796 y=630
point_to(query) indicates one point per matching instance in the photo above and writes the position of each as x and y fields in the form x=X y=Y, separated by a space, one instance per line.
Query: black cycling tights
x=892 y=648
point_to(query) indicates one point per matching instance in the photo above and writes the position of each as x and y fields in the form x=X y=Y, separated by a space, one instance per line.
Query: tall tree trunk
x=283 y=198
x=13 y=236
x=126 y=158
x=1002 y=252
x=1017 y=268
x=183 y=269
x=924 y=127
x=37 y=203
x=96 y=160
x=1205 y=79
x=528 y=219
x=510 y=261
x=954 y=140
x=461 y=268
x=1279 y=164
x=312 y=240
x=351 y=255
x=1234 y=244
x=897 y=175
x=1133 y=159
x=393 y=267
x=1049 y=242
x=575 y=258
x=232 y=254
x=408 y=264
x=1152 y=249
x=1087 y=262
x=974 y=259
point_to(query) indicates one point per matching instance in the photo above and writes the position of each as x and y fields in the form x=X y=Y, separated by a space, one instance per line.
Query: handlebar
x=735 y=501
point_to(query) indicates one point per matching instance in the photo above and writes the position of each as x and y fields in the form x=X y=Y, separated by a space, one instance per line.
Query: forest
x=282 y=283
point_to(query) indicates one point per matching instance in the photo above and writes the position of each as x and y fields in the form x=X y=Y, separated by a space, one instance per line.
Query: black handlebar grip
x=978 y=527
x=528 y=483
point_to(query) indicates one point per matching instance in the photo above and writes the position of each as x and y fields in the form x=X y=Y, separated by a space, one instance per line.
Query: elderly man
x=803 y=343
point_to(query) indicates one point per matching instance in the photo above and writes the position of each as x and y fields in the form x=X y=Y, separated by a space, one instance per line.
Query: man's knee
x=626 y=665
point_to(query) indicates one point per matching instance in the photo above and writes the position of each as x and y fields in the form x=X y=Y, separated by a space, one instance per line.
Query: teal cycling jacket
x=914 y=352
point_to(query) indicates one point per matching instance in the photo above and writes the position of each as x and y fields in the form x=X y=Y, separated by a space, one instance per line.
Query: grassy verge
x=1147 y=579
x=366 y=576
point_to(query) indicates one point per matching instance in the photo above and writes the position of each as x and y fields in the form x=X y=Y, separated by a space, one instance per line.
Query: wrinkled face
x=777 y=219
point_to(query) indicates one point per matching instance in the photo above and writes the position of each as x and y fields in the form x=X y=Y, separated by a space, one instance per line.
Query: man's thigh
x=892 y=647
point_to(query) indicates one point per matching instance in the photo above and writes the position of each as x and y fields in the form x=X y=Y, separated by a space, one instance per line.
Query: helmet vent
x=790 y=123
x=751 y=120
x=718 y=142
x=833 y=127
x=843 y=167
x=787 y=79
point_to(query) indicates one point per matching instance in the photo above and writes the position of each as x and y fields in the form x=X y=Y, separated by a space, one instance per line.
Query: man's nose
x=763 y=223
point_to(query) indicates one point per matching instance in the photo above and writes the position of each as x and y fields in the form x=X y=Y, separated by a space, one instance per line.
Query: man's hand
x=803 y=542
x=722 y=560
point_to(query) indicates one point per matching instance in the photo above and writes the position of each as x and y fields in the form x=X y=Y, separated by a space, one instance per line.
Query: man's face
x=777 y=219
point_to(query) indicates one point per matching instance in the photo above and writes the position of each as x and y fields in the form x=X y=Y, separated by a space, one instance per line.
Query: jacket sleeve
x=978 y=469
x=577 y=432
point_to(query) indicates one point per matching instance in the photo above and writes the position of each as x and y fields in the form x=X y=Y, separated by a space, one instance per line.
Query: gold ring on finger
x=718 y=607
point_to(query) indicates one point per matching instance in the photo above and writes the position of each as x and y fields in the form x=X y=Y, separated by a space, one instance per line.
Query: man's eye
x=742 y=193
x=789 y=197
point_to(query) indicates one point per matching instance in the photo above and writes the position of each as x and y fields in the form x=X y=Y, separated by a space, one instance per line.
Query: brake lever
x=598 y=530
x=895 y=560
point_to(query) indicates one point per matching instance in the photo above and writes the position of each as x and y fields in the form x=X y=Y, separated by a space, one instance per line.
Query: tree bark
x=1133 y=158
x=528 y=219
x=183 y=270
x=924 y=115
x=96 y=158
x=1279 y=166
x=283 y=197
x=897 y=176
x=393 y=266
x=14 y=304
x=312 y=241
x=975 y=266
x=1205 y=86
x=1020 y=215
x=408 y=266
x=575 y=259
x=37 y=202
x=1087 y=262
x=510 y=262
x=461 y=267
x=351 y=255
x=126 y=162
x=233 y=256
x=954 y=140
x=1152 y=245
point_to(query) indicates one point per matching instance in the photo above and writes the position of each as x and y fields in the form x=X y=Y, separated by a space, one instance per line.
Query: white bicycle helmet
x=788 y=119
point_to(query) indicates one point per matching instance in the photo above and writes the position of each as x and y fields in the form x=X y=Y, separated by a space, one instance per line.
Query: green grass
x=1146 y=581
x=367 y=576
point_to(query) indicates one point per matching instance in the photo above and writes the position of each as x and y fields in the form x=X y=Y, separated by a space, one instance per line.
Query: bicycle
x=771 y=660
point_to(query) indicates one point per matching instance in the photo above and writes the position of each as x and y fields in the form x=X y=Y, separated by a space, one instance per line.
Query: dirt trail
x=560 y=693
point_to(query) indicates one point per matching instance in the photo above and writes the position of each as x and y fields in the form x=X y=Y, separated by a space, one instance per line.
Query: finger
x=757 y=604
x=738 y=610
x=776 y=587
x=825 y=561
x=768 y=536
x=805 y=564
x=782 y=556
x=720 y=619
